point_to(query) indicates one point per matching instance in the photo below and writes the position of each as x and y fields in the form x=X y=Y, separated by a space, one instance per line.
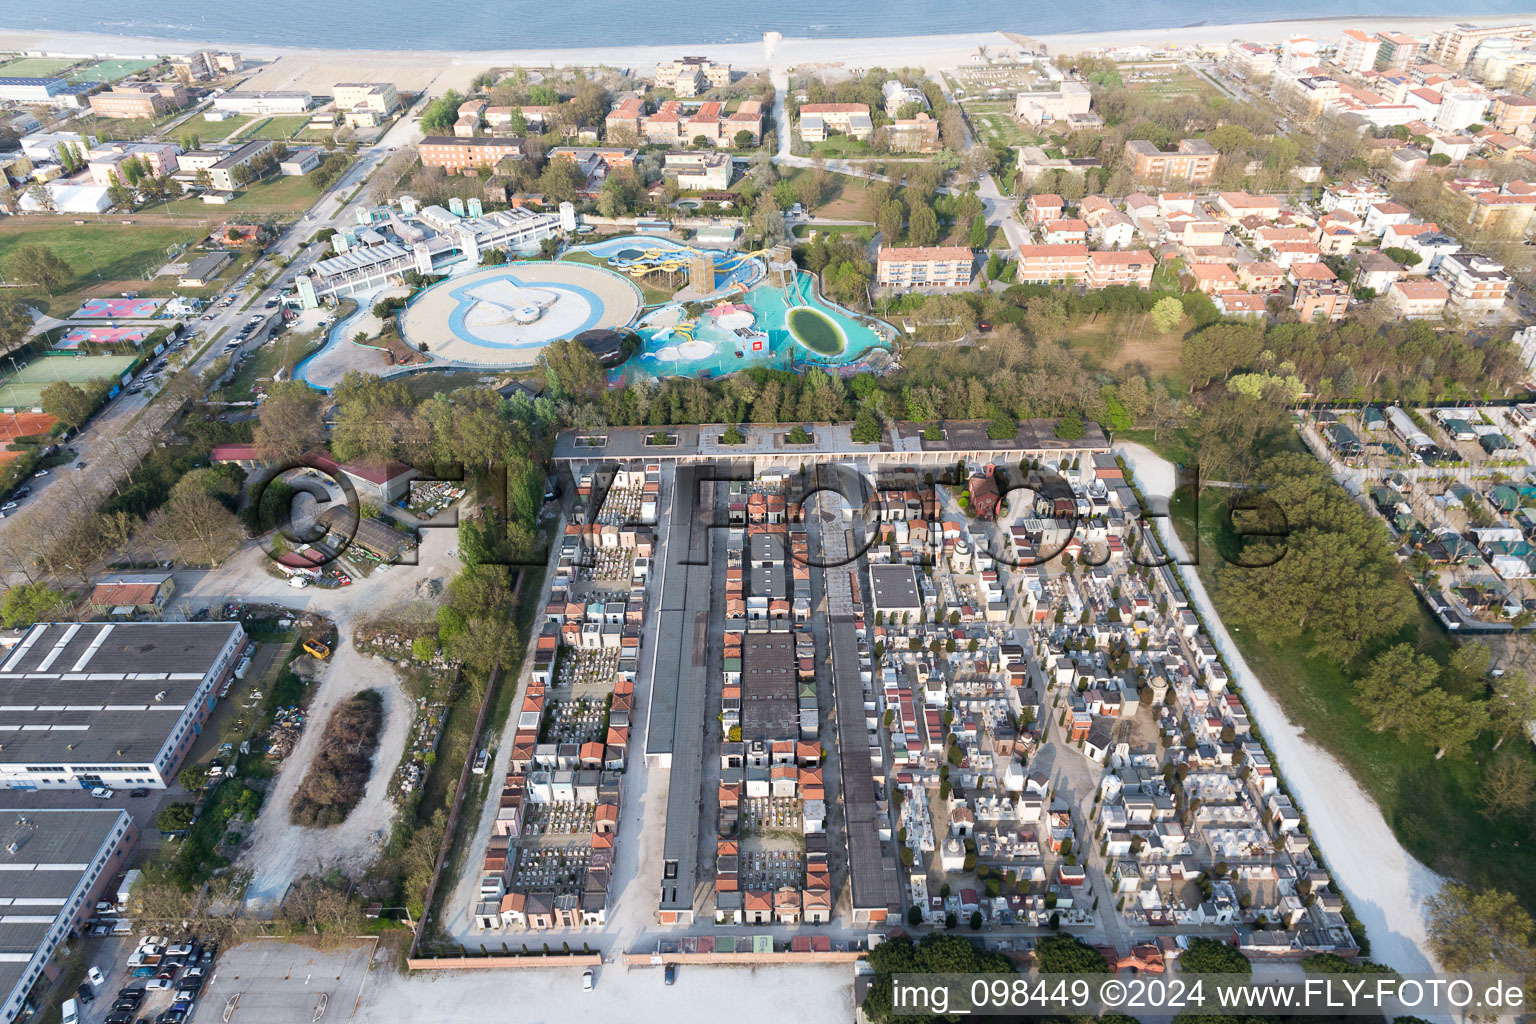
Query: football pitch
x=24 y=389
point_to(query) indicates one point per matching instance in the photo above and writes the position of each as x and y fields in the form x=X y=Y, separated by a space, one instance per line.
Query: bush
x=340 y=771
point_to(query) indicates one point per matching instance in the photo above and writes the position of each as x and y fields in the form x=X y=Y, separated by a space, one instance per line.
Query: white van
x=71 y=1011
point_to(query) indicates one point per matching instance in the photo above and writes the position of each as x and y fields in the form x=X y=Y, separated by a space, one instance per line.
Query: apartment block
x=1048 y=264
x=1132 y=269
x=1453 y=46
x=457 y=155
x=1357 y=51
x=139 y=100
x=918 y=134
x=1193 y=161
x=1475 y=283
x=689 y=76
x=818 y=120
x=1418 y=299
x=924 y=267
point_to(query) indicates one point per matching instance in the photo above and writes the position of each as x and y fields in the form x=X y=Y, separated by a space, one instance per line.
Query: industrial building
x=54 y=865
x=108 y=704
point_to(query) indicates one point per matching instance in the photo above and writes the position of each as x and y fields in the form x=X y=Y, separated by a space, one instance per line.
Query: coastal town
x=607 y=526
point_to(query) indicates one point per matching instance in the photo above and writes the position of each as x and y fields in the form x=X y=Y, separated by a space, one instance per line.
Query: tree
x=1065 y=954
x=41 y=266
x=744 y=139
x=1389 y=690
x=866 y=428
x=176 y=817
x=197 y=527
x=29 y=603
x=1209 y=956
x=1509 y=784
x=571 y=370
x=1487 y=930
x=889 y=219
x=979 y=232
x=1402 y=257
x=768 y=220
x=288 y=424
x=1167 y=313
x=1513 y=705
x=923 y=226
x=1070 y=427
x=67 y=403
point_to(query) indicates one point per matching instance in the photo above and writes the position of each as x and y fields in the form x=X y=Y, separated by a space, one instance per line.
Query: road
x=112 y=443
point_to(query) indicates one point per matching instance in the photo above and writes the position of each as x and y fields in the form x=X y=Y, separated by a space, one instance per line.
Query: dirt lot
x=279 y=852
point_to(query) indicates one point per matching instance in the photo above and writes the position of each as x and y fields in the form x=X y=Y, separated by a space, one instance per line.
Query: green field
x=278 y=194
x=111 y=70
x=993 y=124
x=24 y=390
x=36 y=67
x=211 y=131
x=98 y=253
x=277 y=128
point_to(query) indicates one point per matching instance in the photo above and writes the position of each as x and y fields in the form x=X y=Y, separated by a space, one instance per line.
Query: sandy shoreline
x=923 y=51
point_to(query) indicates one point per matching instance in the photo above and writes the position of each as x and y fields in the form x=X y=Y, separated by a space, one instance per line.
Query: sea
x=536 y=24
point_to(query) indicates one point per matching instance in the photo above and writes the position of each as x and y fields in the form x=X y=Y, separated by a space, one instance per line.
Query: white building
x=108 y=704
x=293 y=101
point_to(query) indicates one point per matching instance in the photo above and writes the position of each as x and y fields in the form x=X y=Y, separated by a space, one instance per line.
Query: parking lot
x=274 y=982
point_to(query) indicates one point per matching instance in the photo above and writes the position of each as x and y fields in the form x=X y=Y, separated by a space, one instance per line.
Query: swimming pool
x=776 y=328
x=637 y=254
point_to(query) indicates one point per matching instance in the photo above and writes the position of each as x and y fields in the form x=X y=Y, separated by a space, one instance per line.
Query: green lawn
x=278 y=195
x=279 y=129
x=859 y=232
x=211 y=131
x=840 y=146
x=126 y=128
x=111 y=70
x=98 y=253
x=1432 y=806
x=36 y=67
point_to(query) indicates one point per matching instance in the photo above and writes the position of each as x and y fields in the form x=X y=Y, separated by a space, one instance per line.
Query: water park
x=731 y=311
x=504 y=316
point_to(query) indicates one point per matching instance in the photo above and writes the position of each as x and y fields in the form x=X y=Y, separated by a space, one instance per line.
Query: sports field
x=35 y=67
x=77 y=336
x=118 y=309
x=110 y=70
x=24 y=390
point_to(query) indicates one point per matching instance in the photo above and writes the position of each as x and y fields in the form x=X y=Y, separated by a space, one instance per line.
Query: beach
x=319 y=68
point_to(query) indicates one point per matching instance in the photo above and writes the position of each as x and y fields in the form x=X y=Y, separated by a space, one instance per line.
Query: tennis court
x=110 y=70
x=36 y=67
x=77 y=336
x=118 y=309
x=24 y=390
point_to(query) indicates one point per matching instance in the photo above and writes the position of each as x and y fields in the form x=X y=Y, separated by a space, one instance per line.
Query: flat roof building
x=108 y=704
x=54 y=865
x=895 y=590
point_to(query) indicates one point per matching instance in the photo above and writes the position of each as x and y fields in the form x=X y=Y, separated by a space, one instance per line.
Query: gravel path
x=1386 y=886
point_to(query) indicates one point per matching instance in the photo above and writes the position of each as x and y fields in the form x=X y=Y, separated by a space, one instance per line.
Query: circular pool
x=815 y=330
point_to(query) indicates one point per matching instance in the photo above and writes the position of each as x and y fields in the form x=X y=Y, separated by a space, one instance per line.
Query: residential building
x=1047 y=264
x=1321 y=299
x=1397 y=52
x=1244 y=305
x=625 y=118
x=1453 y=47
x=1501 y=215
x=818 y=120
x=689 y=76
x=1212 y=278
x=222 y=172
x=1417 y=298
x=139 y=100
x=203 y=65
x=1376 y=271
x=457 y=155
x=1476 y=283
x=665 y=127
x=110 y=704
x=1193 y=161
x=104 y=161
x=290 y=101
x=898 y=96
x=43 y=147
x=56 y=864
x=1064 y=231
x=1514 y=115
x=1254 y=62
x=918 y=134
x=1460 y=108
x=699 y=170
x=1406 y=163
x=1132 y=269
x=381 y=98
x=747 y=117
x=1043 y=207
x=137 y=593
x=1071 y=101
x=299 y=162
x=1357 y=51
x=926 y=267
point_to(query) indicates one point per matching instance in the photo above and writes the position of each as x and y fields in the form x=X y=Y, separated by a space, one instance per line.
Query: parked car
x=587 y=980
x=138 y=792
x=101 y=793
x=10 y=505
x=670 y=974
x=158 y=984
x=180 y=949
x=145 y=972
x=71 y=1011
x=85 y=993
